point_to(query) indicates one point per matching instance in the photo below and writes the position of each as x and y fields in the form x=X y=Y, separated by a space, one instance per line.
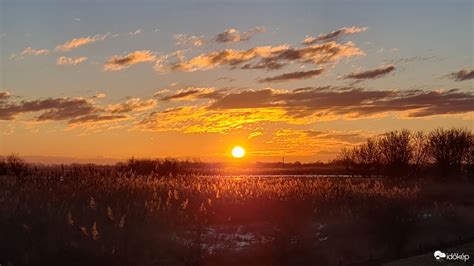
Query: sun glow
x=238 y=152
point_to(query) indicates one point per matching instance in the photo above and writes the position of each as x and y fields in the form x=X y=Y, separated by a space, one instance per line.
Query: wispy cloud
x=121 y=62
x=309 y=142
x=269 y=57
x=70 y=60
x=78 y=42
x=200 y=119
x=233 y=35
x=371 y=74
x=132 y=105
x=5 y=95
x=185 y=40
x=226 y=57
x=463 y=74
x=137 y=32
x=316 y=54
x=29 y=51
x=309 y=40
x=351 y=102
x=293 y=76
x=54 y=108
x=72 y=110
x=99 y=95
x=193 y=93
x=96 y=121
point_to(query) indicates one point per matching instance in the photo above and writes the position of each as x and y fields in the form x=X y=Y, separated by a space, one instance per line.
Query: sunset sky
x=192 y=79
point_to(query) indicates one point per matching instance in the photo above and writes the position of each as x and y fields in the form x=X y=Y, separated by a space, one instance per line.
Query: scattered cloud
x=194 y=93
x=4 y=95
x=74 y=111
x=463 y=74
x=329 y=102
x=160 y=92
x=285 y=142
x=190 y=119
x=77 y=42
x=70 y=60
x=293 y=76
x=342 y=136
x=268 y=57
x=137 y=32
x=121 y=62
x=412 y=59
x=97 y=122
x=309 y=40
x=226 y=57
x=185 y=40
x=54 y=108
x=247 y=109
x=29 y=51
x=254 y=134
x=316 y=54
x=371 y=74
x=228 y=79
x=233 y=35
x=132 y=105
x=99 y=96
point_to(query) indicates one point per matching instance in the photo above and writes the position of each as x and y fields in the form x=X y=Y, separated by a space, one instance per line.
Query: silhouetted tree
x=396 y=152
x=449 y=149
x=419 y=153
x=361 y=160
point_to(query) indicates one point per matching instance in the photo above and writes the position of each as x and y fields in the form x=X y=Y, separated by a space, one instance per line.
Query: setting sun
x=238 y=152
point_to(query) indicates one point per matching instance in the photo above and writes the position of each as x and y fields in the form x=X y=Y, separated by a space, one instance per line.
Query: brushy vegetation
x=90 y=216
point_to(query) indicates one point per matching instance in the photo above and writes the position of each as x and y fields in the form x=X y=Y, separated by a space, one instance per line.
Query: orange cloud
x=183 y=39
x=95 y=121
x=77 y=42
x=5 y=95
x=193 y=93
x=233 y=35
x=315 y=54
x=31 y=51
x=121 y=62
x=287 y=142
x=309 y=40
x=70 y=60
x=132 y=105
x=371 y=74
x=331 y=103
x=200 y=119
x=268 y=57
x=226 y=57
x=299 y=75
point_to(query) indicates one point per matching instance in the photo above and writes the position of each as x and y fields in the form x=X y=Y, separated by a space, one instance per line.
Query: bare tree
x=396 y=152
x=362 y=159
x=419 y=153
x=449 y=149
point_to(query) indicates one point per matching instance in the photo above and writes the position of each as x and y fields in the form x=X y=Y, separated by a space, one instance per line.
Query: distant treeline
x=441 y=153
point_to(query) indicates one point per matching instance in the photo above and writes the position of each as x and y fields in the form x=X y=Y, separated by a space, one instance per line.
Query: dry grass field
x=96 y=216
